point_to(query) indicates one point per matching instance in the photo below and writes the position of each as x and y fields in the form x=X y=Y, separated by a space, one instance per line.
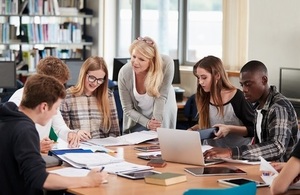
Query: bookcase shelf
x=38 y=15
x=26 y=34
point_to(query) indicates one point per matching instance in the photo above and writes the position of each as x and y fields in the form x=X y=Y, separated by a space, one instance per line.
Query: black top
x=22 y=169
x=296 y=151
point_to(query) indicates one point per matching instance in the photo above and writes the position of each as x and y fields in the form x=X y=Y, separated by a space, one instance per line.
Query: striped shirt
x=82 y=113
x=279 y=131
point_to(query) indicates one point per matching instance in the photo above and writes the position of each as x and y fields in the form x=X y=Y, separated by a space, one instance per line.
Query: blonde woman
x=145 y=86
x=89 y=106
x=222 y=105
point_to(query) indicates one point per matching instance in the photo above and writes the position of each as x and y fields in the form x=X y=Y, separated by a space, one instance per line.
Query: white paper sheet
x=71 y=172
x=267 y=167
x=127 y=139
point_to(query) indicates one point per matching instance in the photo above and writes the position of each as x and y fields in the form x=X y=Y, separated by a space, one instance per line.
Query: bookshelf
x=33 y=29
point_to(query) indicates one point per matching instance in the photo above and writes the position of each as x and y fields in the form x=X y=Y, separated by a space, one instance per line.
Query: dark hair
x=254 y=66
x=40 y=88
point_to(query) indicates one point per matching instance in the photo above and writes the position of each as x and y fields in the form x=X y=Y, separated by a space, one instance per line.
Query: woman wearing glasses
x=145 y=87
x=90 y=105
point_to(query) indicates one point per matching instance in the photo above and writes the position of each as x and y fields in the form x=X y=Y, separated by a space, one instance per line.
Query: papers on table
x=156 y=153
x=87 y=160
x=95 y=148
x=124 y=166
x=241 y=161
x=91 y=160
x=71 y=172
x=128 y=139
x=267 y=167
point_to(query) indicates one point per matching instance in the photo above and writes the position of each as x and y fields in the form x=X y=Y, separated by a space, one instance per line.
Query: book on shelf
x=22 y=6
x=165 y=179
x=127 y=139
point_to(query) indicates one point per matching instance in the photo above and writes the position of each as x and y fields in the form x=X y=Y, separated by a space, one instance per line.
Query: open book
x=128 y=139
x=110 y=163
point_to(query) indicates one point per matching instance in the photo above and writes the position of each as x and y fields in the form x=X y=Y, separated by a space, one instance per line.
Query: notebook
x=183 y=146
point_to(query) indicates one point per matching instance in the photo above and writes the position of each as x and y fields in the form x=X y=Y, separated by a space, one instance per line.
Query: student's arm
x=63 y=131
x=61 y=122
x=281 y=132
x=194 y=128
x=57 y=182
x=244 y=111
x=286 y=176
x=224 y=130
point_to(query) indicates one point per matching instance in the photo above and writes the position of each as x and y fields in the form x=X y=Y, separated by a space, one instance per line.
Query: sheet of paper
x=241 y=161
x=71 y=172
x=60 y=144
x=127 y=139
x=206 y=147
x=267 y=167
x=149 y=153
x=90 y=159
x=94 y=147
x=123 y=167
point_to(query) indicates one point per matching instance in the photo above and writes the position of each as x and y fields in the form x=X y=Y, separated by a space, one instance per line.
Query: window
x=159 y=20
x=204 y=29
x=124 y=31
x=187 y=30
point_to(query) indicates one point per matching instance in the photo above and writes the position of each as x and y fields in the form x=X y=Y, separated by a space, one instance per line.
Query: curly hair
x=55 y=67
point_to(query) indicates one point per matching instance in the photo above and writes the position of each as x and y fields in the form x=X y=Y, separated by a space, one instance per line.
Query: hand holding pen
x=98 y=177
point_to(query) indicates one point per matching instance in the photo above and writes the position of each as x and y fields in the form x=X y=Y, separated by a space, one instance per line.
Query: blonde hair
x=101 y=93
x=215 y=67
x=147 y=47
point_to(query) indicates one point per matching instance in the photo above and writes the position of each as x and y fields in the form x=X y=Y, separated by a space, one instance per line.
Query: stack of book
x=165 y=179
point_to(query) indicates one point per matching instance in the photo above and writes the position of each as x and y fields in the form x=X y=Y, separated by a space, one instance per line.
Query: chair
x=8 y=92
x=190 y=109
x=119 y=109
x=245 y=189
x=190 y=114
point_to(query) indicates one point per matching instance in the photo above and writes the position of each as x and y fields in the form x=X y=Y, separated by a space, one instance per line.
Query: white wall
x=274 y=35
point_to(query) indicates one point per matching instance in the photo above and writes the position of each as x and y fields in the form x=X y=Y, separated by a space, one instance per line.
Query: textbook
x=165 y=178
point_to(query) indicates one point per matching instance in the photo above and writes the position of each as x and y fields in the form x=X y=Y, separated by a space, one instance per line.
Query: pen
x=102 y=168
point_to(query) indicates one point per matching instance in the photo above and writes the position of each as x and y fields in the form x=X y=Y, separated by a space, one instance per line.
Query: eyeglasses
x=92 y=79
x=145 y=40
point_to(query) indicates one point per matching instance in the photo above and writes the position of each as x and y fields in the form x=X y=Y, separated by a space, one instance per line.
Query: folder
x=65 y=151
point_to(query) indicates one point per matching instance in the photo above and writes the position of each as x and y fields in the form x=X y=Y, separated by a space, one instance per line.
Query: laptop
x=182 y=146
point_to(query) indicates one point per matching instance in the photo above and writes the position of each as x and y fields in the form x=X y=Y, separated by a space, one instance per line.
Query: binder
x=65 y=151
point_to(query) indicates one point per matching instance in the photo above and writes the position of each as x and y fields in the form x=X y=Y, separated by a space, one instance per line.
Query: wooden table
x=119 y=185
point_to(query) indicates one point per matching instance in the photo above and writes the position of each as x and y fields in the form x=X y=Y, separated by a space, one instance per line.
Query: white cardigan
x=165 y=107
